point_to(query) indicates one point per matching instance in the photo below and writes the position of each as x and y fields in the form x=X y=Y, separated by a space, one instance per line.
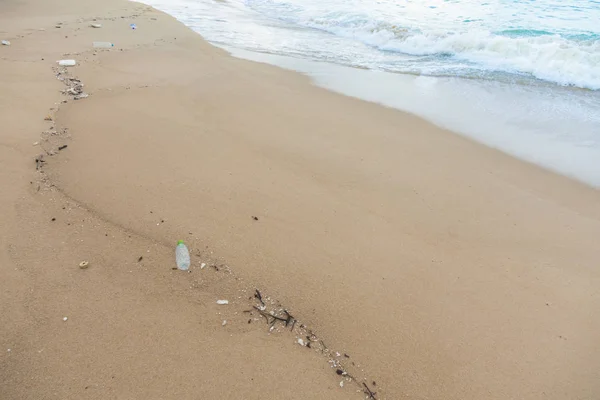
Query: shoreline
x=445 y=269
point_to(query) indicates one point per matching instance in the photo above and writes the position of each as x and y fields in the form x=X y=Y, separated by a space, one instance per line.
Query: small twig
x=369 y=392
x=259 y=297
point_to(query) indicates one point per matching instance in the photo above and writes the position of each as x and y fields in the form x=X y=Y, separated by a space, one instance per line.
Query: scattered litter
x=133 y=26
x=67 y=63
x=224 y=323
x=5 y=43
x=62 y=147
x=301 y=342
x=84 y=264
x=223 y=302
x=202 y=265
x=65 y=318
x=103 y=45
x=96 y=25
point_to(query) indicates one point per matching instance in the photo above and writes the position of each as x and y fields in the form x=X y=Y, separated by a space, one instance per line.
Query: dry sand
x=443 y=269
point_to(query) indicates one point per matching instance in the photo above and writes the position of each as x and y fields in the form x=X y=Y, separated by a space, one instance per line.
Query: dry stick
x=259 y=297
x=370 y=393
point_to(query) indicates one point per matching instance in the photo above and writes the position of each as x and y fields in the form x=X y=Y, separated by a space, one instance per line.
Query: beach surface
x=416 y=263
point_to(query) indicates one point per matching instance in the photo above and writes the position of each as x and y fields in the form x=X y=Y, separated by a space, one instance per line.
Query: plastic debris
x=67 y=63
x=5 y=43
x=222 y=302
x=103 y=45
x=133 y=26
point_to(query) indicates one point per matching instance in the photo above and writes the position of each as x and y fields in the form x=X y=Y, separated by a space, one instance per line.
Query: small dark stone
x=374 y=384
x=339 y=371
x=53 y=219
x=346 y=355
x=162 y=221
x=106 y=234
x=62 y=147
x=174 y=268
x=255 y=218
x=140 y=259
x=250 y=321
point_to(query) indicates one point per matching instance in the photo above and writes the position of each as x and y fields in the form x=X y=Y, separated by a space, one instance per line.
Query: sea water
x=520 y=76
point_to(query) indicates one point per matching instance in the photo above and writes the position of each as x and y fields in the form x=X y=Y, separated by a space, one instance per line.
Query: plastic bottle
x=103 y=45
x=67 y=63
x=182 y=256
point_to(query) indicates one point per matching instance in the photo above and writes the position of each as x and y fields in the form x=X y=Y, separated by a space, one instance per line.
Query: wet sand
x=442 y=268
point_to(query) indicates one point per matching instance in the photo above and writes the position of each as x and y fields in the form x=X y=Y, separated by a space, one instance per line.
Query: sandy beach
x=412 y=262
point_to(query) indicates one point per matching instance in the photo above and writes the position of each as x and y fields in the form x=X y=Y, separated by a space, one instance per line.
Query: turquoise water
x=532 y=66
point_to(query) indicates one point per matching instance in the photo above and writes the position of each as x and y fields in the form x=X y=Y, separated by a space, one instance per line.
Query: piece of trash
x=96 y=25
x=202 y=265
x=84 y=264
x=301 y=342
x=222 y=302
x=67 y=63
x=62 y=147
x=65 y=318
x=103 y=45
x=224 y=323
x=5 y=43
x=133 y=26
x=182 y=256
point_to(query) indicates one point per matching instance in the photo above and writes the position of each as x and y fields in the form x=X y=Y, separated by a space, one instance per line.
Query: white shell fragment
x=222 y=302
x=96 y=25
x=224 y=323
x=65 y=318
x=84 y=264
x=202 y=265
x=301 y=342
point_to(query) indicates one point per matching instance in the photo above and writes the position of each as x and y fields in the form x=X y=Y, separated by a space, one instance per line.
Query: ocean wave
x=561 y=59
